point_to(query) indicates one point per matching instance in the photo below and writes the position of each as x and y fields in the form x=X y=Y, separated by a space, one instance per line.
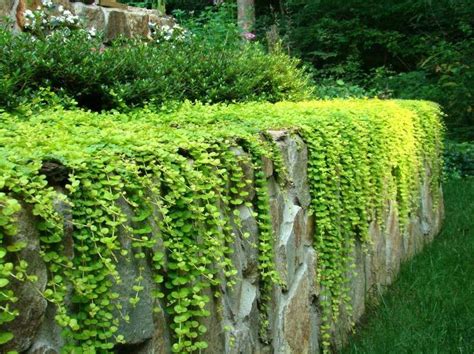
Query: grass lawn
x=430 y=308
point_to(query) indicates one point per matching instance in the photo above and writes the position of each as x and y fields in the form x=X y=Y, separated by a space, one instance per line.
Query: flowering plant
x=249 y=36
x=167 y=33
x=49 y=18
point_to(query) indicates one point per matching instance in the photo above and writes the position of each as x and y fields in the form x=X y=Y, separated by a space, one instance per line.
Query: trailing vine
x=163 y=191
x=8 y=208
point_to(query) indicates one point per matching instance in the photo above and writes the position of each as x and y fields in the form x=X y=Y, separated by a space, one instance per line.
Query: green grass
x=430 y=308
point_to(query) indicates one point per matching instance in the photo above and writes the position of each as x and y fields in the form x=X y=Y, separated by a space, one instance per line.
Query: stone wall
x=126 y=20
x=234 y=324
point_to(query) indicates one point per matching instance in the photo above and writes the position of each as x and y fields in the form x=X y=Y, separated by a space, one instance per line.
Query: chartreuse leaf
x=164 y=193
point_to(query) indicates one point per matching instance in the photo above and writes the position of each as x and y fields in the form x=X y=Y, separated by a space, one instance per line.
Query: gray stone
x=140 y=326
x=297 y=318
x=160 y=343
x=49 y=339
x=113 y=22
x=289 y=247
x=215 y=336
x=239 y=303
x=6 y=9
x=412 y=238
x=63 y=207
x=31 y=304
x=248 y=296
x=393 y=243
x=358 y=282
x=278 y=135
x=246 y=249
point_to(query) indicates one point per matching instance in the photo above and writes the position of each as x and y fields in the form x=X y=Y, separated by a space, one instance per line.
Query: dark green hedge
x=131 y=73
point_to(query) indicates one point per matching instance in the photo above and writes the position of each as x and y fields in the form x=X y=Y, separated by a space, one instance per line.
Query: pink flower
x=249 y=36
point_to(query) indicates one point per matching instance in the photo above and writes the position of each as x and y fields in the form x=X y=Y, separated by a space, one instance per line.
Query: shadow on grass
x=430 y=308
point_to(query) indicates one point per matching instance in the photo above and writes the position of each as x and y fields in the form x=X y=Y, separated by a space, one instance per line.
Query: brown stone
x=297 y=316
x=138 y=24
x=112 y=3
x=32 y=4
x=93 y=16
x=117 y=25
x=267 y=166
x=160 y=20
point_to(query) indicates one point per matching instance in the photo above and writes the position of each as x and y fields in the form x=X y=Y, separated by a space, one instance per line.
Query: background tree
x=246 y=15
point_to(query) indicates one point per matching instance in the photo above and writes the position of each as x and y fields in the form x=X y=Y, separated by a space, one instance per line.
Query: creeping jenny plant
x=181 y=180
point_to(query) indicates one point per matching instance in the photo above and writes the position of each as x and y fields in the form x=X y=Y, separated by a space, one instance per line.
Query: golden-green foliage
x=178 y=174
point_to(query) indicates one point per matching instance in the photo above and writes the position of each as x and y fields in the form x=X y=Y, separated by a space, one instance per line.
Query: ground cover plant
x=429 y=308
x=178 y=171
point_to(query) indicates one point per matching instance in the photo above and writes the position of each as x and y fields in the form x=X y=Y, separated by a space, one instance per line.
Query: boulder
x=31 y=304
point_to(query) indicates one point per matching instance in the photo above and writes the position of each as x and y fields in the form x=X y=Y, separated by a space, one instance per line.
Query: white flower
x=67 y=13
x=92 y=32
x=60 y=8
x=29 y=14
x=47 y=3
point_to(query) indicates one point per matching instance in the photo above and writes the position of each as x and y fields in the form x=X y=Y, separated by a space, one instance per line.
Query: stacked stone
x=113 y=22
x=234 y=325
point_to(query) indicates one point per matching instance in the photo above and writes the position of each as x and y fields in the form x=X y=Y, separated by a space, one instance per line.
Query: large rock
x=92 y=16
x=6 y=8
x=48 y=339
x=240 y=310
x=116 y=25
x=140 y=326
x=138 y=24
x=31 y=304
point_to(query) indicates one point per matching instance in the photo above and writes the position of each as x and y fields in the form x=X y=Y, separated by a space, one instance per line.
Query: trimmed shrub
x=361 y=152
x=131 y=73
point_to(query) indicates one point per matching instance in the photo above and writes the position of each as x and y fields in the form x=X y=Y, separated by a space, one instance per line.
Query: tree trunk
x=246 y=15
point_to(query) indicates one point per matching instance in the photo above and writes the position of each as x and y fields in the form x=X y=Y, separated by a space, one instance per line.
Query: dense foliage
x=397 y=48
x=459 y=159
x=211 y=64
x=170 y=183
